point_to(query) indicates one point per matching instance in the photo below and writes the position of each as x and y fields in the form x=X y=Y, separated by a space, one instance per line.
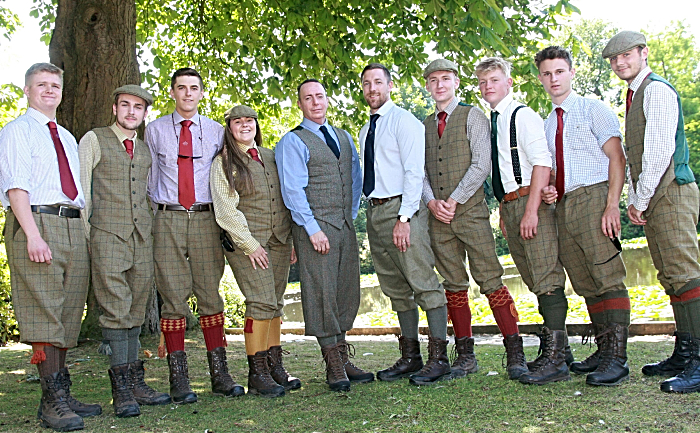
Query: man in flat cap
x=663 y=197
x=114 y=165
x=393 y=149
x=457 y=162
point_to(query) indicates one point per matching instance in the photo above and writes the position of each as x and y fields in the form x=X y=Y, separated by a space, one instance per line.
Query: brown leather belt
x=194 y=208
x=379 y=201
x=521 y=192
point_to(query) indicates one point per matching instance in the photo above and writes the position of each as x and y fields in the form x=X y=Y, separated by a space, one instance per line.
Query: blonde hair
x=491 y=64
x=42 y=67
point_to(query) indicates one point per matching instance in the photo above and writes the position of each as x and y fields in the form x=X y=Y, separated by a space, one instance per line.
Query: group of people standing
x=173 y=205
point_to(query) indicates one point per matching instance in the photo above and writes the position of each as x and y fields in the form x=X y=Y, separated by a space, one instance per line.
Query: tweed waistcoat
x=447 y=159
x=329 y=191
x=264 y=208
x=119 y=203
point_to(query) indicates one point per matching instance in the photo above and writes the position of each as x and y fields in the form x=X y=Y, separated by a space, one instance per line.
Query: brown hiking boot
x=410 y=362
x=81 y=409
x=122 y=399
x=675 y=364
x=355 y=374
x=464 y=360
x=144 y=394
x=515 y=364
x=54 y=411
x=589 y=364
x=438 y=366
x=180 y=390
x=537 y=363
x=552 y=366
x=613 y=367
x=336 y=377
x=221 y=381
x=259 y=380
x=277 y=370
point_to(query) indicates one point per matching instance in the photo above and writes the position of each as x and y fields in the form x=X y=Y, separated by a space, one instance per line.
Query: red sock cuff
x=675 y=299
x=213 y=330
x=690 y=294
x=617 y=304
x=596 y=308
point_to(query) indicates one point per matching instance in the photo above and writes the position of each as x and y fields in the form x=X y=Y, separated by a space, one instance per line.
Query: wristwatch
x=403 y=218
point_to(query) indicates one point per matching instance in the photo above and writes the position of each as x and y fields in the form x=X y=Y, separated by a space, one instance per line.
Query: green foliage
x=9 y=330
x=234 y=302
x=8 y=23
x=10 y=97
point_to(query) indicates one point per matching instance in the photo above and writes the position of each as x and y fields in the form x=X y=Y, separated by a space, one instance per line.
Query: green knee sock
x=327 y=341
x=408 y=321
x=117 y=345
x=594 y=303
x=134 y=344
x=617 y=307
x=553 y=307
x=692 y=310
x=437 y=322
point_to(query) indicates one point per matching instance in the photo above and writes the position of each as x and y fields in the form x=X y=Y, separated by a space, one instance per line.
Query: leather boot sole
x=617 y=382
x=153 y=401
x=236 y=391
x=294 y=384
x=393 y=378
x=458 y=372
x=268 y=394
x=523 y=379
x=128 y=412
x=679 y=390
x=652 y=371
x=340 y=386
x=186 y=399
x=419 y=382
x=75 y=427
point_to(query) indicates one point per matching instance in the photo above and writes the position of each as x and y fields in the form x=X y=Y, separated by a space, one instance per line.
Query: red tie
x=559 y=145
x=67 y=181
x=129 y=147
x=630 y=92
x=254 y=154
x=185 y=167
x=441 y=122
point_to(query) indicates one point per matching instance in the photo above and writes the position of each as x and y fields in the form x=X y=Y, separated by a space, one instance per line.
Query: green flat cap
x=623 y=42
x=239 y=111
x=133 y=89
x=440 y=65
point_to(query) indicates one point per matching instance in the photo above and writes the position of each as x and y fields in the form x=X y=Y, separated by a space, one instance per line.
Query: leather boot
x=410 y=362
x=613 y=367
x=589 y=364
x=277 y=370
x=144 y=394
x=675 y=364
x=534 y=365
x=516 y=365
x=689 y=379
x=465 y=361
x=552 y=367
x=259 y=380
x=122 y=399
x=53 y=409
x=81 y=409
x=336 y=378
x=221 y=381
x=438 y=366
x=355 y=374
x=180 y=390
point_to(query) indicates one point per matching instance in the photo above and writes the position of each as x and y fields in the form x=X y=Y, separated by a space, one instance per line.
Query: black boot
x=355 y=374
x=277 y=370
x=180 y=390
x=534 y=365
x=589 y=364
x=689 y=379
x=53 y=409
x=410 y=362
x=675 y=364
x=515 y=365
x=221 y=381
x=464 y=362
x=336 y=378
x=144 y=394
x=122 y=399
x=613 y=367
x=438 y=366
x=81 y=409
x=259 y=380
x=552 y=365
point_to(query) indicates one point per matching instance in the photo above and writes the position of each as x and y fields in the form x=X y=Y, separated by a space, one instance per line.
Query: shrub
x=9 y=331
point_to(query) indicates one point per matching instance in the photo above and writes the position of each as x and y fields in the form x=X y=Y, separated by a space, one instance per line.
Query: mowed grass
x=478 y=403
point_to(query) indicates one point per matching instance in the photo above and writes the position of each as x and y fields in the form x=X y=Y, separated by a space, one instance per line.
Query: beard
x=378 y=102
x=129 y=125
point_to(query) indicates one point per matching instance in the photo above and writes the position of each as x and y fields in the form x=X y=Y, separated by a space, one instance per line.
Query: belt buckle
x=61 y=209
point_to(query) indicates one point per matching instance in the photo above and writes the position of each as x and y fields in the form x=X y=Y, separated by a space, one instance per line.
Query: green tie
x=498 y=190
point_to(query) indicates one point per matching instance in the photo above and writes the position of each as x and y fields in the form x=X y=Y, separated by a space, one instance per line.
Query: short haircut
x=554 y=52
x=308 y=80
x=491 y=64
x=376 y=66
x=186 y=72
x=42 y=67
x=116 y=99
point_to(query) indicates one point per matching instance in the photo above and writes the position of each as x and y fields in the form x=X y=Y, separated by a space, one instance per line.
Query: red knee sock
x=504 y=311
x=174 y=333
x=459 y=313
x=213 y=329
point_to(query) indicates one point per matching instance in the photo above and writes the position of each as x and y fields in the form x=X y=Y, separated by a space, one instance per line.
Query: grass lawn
x=478 y=403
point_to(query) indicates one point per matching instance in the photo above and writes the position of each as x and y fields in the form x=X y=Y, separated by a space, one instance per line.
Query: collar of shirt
x=639 y=79
x=449 y=109
x=244 y=148
x=177 y=118
x=120 y=134
x=503 y=105
x=313 y=126
x=39 y=116
x=568 y=103
x=384 y=109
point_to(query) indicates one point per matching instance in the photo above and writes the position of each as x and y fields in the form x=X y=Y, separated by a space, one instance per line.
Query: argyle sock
x=437 y=322
x=213 y=330
x=174 y=333
x=553 y=307
x=459 y=313
x=617 y=307
x=503 y=308
x=408 y=321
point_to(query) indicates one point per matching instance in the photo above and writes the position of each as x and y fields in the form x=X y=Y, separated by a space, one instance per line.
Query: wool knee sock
x=459 y=313
x=691 y=305
x=49 y=362
x=617 y=307
x=115 y=344
x=680 y=315
x=408 y=321
x=596 y=310
x=327 y=341
x=437 y=322
x=256 y=333
x=503 y=308
x=273 y=336
x=213 y=330
x=174 y=333
x=134 y=344
x=553 y=307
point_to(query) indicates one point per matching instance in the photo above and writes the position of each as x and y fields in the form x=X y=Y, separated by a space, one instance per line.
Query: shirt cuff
x=641 y=204
x=407 y=212
x=250 y=246
x=312 y=228
x=22 y=183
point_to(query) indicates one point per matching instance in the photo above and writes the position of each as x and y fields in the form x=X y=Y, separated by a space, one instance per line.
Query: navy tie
x=368 y=181
x=496 y=181
x=330 y=142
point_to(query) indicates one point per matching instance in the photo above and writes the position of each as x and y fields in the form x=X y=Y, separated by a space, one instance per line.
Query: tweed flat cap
x=240 y=111
x=133 y=89
x=440 y=65
x=623 y=42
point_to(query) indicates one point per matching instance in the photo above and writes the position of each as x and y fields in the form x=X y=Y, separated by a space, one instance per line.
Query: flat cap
x=440 y=65
x=133 y=89
x=623 y=42
x=240 y=111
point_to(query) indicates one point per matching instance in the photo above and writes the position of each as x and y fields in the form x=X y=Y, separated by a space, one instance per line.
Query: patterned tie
x=630 y=92
x=368 y=181
x=254 y=154
x=441 y=122
x=185 y=167
x=498 y=189
x=67 y=181
x=330 y=142
x=129 y=145
x=559 y=147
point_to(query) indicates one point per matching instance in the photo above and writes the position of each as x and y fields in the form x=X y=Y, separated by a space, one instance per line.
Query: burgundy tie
x=129 y=144
x=441 y=122
x=559 y=145
x=185 y=167
x=630 y=92
x=254 y=154
x=67 y=181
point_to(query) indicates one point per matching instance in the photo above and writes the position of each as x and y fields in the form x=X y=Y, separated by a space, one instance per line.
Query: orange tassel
x=38 y=357
x=161 y=347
